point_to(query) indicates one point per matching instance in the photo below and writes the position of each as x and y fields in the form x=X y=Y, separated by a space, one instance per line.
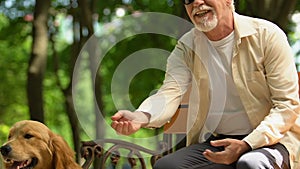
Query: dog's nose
x=5 y=150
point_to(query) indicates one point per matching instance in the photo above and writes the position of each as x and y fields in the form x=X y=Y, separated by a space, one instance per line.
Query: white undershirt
x=234 y=120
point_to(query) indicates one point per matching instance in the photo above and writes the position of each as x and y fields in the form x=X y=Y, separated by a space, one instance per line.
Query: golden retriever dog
x=32 y=145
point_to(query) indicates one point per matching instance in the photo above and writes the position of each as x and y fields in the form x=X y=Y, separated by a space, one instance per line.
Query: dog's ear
x=63 y=155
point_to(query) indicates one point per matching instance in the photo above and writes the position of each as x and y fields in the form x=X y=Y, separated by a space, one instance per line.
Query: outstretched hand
x=126 y=122
x=233 y=149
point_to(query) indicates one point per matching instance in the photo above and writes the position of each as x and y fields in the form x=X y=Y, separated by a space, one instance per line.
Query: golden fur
x=32 y=145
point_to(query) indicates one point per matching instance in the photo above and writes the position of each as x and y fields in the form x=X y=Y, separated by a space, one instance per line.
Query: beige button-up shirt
x=264 y=73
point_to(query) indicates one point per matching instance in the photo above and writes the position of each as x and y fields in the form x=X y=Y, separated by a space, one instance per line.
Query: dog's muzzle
x=5 y=150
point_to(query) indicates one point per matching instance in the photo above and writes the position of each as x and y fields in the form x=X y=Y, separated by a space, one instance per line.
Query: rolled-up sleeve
x=162 y=105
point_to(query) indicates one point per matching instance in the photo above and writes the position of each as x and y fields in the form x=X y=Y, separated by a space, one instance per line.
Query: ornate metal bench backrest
x=94 y=150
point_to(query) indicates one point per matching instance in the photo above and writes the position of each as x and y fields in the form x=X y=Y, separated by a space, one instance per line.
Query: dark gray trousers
x=270 y=157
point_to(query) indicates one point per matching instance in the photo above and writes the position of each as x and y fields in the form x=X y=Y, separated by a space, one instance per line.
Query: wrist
x=146 y=118
x=246 y=146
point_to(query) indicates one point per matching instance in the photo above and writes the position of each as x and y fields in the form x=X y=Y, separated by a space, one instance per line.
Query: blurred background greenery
x=41 y=40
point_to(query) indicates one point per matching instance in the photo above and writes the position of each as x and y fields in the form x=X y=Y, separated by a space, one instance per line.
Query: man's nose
x=196 y=3
x=5 y=150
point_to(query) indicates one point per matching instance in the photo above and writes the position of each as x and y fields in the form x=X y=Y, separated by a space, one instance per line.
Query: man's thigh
x=273 y=157
x=190 y=157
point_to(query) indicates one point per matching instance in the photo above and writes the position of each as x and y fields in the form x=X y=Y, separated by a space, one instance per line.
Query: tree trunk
x=38 y=60
x=82 y=16
x=73 y=121
x=86 y=22
x=76 y=46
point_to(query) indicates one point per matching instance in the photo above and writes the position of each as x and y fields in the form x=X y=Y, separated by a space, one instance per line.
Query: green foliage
x=141 y=86
x=4 y=21
x=14 y=47
x=4 y=130
x=108 y=8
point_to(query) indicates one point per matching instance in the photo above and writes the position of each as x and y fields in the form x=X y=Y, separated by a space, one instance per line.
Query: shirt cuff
x=256 y=139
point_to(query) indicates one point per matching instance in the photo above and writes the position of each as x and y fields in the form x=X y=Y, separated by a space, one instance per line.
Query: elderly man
x=244 y=105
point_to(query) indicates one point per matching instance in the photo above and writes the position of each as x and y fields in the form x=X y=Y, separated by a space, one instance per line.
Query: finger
x=218 y=143
x=117 y=116
x=208 y=154
x=219 y=154
x=125 y=128
x=114 y=125
x=216 y=157
x=119 y=128
x=131 y=129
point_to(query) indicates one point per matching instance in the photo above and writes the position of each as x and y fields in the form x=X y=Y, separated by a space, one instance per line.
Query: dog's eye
x=28 y=136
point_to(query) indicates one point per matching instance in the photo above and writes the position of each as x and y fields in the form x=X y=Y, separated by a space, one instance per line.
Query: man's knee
x=252 y=161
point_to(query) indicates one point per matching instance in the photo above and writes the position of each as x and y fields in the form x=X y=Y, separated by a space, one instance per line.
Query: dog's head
x=31 y=145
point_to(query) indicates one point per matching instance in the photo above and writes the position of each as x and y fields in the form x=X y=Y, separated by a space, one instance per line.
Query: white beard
x=206 y=25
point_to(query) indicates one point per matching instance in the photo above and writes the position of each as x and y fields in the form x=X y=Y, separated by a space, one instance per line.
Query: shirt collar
x=242 y=26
